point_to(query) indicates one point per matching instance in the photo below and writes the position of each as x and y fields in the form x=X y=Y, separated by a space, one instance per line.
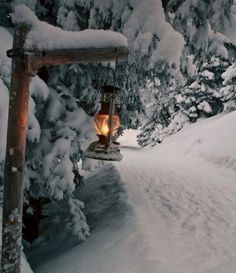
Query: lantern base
x=99 y=151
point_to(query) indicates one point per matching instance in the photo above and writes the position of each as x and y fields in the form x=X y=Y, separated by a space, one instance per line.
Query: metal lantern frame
x=106 y=148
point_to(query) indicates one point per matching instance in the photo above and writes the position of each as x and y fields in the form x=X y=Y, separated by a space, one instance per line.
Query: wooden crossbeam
x=35 y=60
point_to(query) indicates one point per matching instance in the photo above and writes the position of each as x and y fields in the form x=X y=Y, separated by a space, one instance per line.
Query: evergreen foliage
x=206 y=64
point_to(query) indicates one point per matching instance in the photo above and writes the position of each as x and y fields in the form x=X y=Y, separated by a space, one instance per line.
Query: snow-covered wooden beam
x=35 y=60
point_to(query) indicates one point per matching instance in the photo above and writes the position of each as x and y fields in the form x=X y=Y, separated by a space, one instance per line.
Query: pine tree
x=205 y=57
x=54 y=141
x=199 y=90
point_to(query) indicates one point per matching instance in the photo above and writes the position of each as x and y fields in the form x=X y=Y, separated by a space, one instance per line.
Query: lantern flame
x=101 y=124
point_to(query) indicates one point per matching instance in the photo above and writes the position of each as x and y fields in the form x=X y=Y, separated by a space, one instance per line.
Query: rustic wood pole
x=15 y=156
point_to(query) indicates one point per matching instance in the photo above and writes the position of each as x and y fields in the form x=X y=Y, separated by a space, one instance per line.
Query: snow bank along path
x=176 y=212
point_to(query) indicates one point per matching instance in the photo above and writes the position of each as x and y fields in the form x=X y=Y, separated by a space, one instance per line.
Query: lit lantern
x=106 y=123
x=101 y=124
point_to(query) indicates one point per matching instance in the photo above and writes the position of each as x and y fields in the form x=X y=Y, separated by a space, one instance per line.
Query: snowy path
x=187 y=210
x=170 y=209
x=180 y=218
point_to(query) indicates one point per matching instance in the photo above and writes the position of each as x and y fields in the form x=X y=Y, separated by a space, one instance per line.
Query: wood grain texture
x=15 y=159
x=35 y=60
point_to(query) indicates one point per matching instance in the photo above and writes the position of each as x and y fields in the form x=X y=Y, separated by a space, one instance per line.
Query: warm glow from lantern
x=101 y=124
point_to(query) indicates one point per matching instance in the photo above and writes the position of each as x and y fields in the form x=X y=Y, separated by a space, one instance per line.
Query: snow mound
x=212 y=139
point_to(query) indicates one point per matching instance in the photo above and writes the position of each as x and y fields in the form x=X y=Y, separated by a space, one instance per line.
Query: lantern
x=106 y=124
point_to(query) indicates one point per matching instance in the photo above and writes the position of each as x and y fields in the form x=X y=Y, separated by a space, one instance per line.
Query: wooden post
x=15 y=157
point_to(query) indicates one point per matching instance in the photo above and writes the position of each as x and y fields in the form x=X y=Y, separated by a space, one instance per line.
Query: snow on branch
x=44 y=36
x=148 y=32
x=229 y=74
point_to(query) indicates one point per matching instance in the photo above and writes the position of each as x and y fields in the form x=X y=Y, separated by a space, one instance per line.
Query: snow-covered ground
x=169 y=209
